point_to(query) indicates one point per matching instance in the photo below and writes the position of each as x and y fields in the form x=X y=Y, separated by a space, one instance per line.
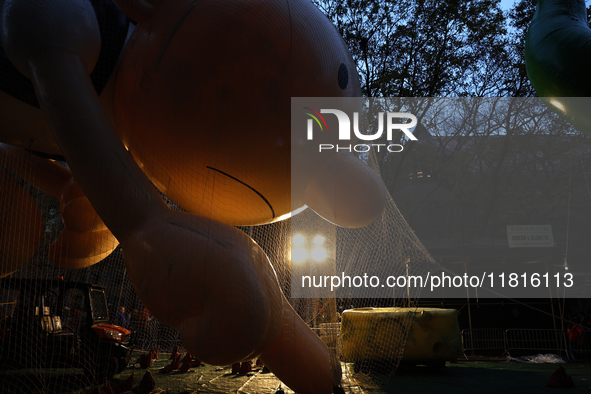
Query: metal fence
x=536 y=340
x=491 y=341
x=516 y=341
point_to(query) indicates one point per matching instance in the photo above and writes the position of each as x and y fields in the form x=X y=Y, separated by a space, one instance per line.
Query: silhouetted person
x=120 y=318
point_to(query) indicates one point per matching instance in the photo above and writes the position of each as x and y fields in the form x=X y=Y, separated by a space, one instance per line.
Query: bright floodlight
x=298 y=255
x=298 y=240
x=318 y=240
x=557 y=104
x=318 y=254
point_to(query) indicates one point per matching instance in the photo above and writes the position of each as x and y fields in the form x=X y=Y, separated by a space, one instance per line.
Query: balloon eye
x=343 y=76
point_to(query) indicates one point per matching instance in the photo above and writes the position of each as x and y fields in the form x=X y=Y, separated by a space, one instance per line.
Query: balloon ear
x=137 y=10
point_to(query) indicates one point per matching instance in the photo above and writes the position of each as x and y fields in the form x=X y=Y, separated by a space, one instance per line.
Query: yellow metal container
x=431 y=334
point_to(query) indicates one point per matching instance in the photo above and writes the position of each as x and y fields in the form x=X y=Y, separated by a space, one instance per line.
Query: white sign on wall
x=530 y=236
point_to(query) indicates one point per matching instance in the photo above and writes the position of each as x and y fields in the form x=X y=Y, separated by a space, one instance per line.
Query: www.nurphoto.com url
x=442 y=280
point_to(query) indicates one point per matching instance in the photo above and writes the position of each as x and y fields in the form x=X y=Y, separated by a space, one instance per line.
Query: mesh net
x=50 y=304
x=72 y=318
x=70 y=308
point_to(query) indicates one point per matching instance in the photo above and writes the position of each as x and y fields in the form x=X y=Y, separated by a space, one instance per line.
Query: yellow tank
x=378 y=334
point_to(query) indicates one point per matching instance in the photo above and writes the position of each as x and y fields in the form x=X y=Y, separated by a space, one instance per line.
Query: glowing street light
x=299 y=253
x=298 y=240
x=318 y=240
x=318 y=253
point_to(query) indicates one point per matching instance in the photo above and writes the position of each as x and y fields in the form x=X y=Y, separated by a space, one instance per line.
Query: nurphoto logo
x=392 y=122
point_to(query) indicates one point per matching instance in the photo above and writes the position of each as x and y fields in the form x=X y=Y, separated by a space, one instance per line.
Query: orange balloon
x=77 y=212
x=210 y=281
x=345 y=191
x=299 y=357
x=85 y=240
x=203 y=277
x=75 y=250
x=202 y=100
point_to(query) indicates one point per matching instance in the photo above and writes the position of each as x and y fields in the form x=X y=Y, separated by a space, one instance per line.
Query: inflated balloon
x=198 y=106
x=300 y=358
x=85 y=239
x=344 y=192
x=34 y=133
x=200 y=264
x=557 y=55
x=208 y=119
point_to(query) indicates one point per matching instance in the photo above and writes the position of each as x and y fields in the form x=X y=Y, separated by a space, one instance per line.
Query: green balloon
x=558 y=59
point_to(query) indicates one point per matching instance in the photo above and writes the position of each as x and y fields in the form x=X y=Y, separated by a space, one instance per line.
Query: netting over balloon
x=28 y=305
x=145 y=183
